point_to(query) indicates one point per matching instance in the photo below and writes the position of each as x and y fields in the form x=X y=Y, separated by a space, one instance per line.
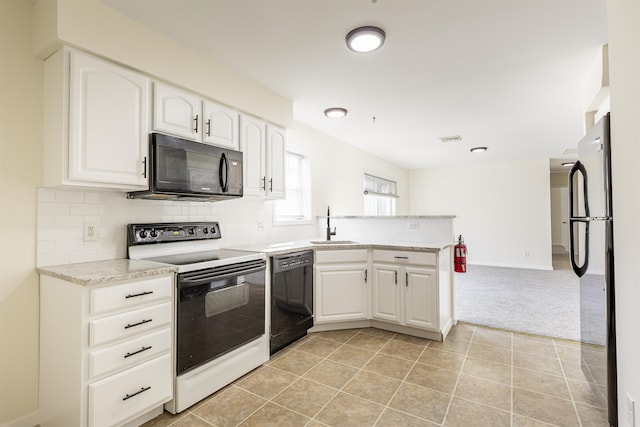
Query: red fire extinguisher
x=460 y=256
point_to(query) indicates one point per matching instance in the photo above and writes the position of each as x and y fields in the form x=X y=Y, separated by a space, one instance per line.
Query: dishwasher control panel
x=293 y=260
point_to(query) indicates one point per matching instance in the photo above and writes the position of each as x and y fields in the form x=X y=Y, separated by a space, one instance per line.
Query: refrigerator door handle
x=578 y=167
x=580 y=270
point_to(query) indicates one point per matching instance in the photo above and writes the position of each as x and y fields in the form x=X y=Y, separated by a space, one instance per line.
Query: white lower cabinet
x=120 y=397
x=407 y=290
x=105 y=351
x=341 y=288
x=405 y=294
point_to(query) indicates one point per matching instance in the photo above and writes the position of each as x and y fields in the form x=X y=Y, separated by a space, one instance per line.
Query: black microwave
x=180 y=169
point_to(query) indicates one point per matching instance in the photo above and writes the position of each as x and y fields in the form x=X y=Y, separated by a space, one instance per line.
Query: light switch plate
x=631 y=415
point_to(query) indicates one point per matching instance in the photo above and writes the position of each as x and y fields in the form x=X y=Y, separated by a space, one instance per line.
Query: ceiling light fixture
x=567 y=164
x=478 y=149
x=365 y=39
x=335 y=112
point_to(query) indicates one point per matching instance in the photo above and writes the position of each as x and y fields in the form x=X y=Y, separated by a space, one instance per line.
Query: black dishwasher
x=291 y=297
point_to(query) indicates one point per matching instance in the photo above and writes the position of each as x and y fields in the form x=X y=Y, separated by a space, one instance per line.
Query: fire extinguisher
x=460 y=256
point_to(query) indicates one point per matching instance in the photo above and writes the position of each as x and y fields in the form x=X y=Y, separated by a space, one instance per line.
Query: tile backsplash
x=62 y=214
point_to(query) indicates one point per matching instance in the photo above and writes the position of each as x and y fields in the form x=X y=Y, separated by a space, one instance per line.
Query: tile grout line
x=345 y=384
x=466 y=354
x=511 y=381
x=402 y=382
x=566 y=381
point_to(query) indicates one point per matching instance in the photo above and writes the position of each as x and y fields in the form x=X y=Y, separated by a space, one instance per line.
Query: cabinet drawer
x=117 y=297
x=405 y=257
x=130 y=393
x=129 y=323
x=344 y=255
x=129 y=352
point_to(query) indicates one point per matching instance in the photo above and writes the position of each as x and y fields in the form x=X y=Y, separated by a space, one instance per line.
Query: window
x=379 y=196
x=296 y=208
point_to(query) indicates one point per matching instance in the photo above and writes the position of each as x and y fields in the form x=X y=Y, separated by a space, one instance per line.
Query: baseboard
x=524 y=266
x=29 y=420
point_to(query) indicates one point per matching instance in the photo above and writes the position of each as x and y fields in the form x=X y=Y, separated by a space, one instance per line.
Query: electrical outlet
x=631 y=412
x=413 y=225
x=90 y=233
x=526 y=254
x=260 y=225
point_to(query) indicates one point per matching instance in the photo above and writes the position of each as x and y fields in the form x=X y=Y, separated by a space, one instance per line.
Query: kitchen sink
x=332 y=242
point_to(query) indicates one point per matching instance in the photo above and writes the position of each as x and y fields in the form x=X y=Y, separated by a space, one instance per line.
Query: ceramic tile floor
x=370 y=377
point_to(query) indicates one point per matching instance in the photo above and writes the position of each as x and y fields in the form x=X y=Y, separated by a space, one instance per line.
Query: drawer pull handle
x=139 y=295
x=401 y=257
x=142 y=390
x=136 y=352
x=130 y=325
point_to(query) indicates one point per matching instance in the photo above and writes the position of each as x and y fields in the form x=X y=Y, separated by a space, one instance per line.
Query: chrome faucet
x=329 y=232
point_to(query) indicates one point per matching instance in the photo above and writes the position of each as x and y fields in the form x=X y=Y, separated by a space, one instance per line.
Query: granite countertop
x=443 y=216
x=272 y=249
x=108 y=271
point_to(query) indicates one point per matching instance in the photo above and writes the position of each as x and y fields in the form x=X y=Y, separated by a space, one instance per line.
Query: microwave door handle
x=223 y=173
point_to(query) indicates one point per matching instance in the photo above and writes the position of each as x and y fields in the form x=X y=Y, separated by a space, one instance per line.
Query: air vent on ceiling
x=452 y=138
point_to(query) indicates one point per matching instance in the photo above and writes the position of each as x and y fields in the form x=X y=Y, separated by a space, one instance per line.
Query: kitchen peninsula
x=391 y=273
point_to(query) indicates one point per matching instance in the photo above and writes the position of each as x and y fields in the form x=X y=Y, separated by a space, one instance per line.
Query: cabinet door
x=421 y=303
x=176 y=112
x=108 y=125
x=340 y=292
x=276 y=152
x=252 y=144
x=386 y=292
x=220 y=126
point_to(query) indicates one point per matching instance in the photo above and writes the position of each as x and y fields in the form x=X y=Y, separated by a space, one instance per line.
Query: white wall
x=624 y=63
x=338 y=172
x=91 y=26
x=502 y=210
x=20 y=173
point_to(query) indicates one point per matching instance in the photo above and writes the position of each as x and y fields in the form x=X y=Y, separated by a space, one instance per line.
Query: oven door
x=219 y=309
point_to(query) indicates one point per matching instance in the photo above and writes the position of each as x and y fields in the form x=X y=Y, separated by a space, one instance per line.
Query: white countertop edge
x=106 y=271
x=288 y=247
x=443 y=216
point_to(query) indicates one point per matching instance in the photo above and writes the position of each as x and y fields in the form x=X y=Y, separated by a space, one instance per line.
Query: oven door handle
x=200 y=279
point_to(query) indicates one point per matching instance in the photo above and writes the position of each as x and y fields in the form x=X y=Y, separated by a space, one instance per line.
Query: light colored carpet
x=532 y=301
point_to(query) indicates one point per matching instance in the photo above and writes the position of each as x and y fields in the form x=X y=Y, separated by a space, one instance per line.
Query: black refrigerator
x=591 y=253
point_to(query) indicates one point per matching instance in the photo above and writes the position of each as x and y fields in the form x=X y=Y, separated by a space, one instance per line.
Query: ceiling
x=504 y=74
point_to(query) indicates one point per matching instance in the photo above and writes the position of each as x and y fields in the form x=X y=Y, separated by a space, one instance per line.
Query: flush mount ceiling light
x=478 y=149
x=365 y=39
x=335 y=112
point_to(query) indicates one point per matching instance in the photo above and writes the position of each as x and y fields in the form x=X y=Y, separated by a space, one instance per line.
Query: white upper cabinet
x=276 y=152
x=264 y=148
x=184 y=114
x=220 y=125
x=96 y=116
x=252 y=144
x=176 y=112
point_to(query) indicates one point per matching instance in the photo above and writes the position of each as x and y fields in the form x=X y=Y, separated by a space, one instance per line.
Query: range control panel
x=140 y=234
